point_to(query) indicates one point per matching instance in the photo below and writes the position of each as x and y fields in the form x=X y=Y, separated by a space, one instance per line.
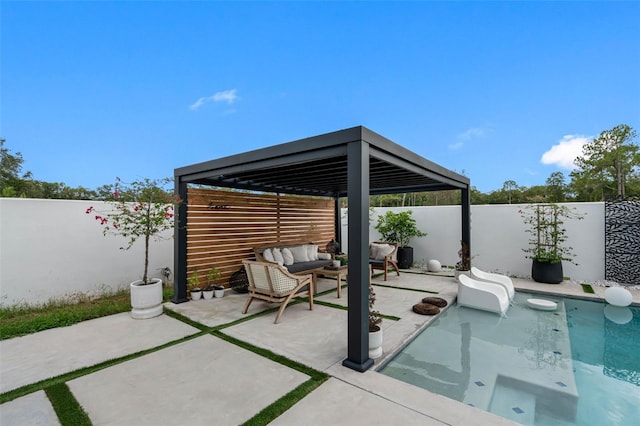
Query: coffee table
x=329 y=271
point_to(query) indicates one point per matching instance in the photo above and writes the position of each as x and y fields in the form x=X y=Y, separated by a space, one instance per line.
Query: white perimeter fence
x=52 y=249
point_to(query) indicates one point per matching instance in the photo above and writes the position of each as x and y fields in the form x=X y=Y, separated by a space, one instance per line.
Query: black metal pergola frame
x=352 y=163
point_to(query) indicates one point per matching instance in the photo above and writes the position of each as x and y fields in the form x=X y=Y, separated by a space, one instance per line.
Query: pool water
x=578 y=365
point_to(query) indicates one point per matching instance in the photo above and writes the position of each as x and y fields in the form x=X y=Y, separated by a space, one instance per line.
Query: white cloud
x=565 y=151
x=472 y=133
x=467 y=135
x=228 y=96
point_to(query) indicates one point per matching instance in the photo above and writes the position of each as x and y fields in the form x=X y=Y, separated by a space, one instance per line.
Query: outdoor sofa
x=296 y=258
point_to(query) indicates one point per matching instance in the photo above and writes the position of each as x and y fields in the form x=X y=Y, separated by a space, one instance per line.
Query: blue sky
x=95 y=90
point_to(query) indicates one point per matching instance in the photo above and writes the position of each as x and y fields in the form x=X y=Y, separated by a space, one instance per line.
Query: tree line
x=608 y=168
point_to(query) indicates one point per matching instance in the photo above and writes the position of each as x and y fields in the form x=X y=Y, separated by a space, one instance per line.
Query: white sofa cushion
x=288 y=256
x=324 y=256
x=277 y=255
x=268 y=255
x=312 y=251
x=299 y=253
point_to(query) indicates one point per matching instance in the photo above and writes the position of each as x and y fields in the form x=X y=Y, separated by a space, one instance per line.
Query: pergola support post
x=466 y=217
x=180 y=245
x=337 y=220
x=358 y=266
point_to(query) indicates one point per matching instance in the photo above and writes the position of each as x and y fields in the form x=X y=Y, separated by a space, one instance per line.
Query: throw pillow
x=312 y=251
x=383 y=251
x=277 y=255
x=299 y=254
x=373 y=250
x=288 y=257
x=324 y=256
x=268 y=255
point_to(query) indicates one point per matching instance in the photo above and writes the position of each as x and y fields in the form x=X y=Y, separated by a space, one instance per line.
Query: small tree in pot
x=212 y=276
x=464 y=264
x=400 y=228
x=547 y=243
x=375 y=331
x=140 y=209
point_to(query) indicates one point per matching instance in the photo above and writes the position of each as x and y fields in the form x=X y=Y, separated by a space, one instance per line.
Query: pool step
x=513 y=404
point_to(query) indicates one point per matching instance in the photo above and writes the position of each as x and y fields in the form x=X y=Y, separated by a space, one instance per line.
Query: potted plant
x=547 y=242
x=193 y=282
x=219 y=291
x=400 y=228
x=141 y=209
x=464 y=265
x=212 y=276
x=375 y=331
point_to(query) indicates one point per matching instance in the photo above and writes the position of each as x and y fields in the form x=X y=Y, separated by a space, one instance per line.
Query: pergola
x=352 y=163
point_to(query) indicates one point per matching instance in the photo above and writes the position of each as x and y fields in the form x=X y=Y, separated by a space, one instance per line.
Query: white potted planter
x=146 y=300
x=375 y=344
x=207 y=294
x=219 y=291
x=196 y=293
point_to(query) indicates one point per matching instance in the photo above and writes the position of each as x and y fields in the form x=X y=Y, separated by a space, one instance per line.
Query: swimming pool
x=578 y=365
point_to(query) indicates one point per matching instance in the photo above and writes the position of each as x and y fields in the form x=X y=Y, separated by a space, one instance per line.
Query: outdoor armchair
x=273 y=283
x=382 y=255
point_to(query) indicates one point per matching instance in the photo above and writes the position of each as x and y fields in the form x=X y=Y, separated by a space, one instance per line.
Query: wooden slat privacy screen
x=223 y=227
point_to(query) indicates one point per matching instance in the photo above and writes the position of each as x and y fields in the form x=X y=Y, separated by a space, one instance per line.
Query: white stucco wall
x=51 y=248
x=498 y=237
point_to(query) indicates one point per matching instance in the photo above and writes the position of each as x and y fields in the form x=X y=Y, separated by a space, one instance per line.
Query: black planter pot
x=405 y=257
x=547 y=272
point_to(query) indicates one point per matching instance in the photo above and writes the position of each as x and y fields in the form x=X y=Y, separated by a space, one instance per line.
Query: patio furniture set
x=283 y=272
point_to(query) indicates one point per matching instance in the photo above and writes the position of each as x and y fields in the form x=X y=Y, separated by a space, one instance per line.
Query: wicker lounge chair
x=271 y=282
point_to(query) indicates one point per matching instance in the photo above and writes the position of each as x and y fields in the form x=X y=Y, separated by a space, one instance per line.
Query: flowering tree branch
x=140 y=209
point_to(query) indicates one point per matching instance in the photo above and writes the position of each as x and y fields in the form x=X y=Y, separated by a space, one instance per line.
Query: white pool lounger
x=503 y=280
x=482 y=295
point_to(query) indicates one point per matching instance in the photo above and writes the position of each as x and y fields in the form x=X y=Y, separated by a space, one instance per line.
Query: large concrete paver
x=340 y=403
x=33 y=410
x=203 y=381
x=50 y=353
x=320 y=344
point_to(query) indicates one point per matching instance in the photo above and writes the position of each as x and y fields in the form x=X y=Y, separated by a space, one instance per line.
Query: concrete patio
x=207 y=380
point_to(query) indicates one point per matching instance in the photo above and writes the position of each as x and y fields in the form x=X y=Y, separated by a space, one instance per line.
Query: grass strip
x=45 y=383
x=346 y=308
x=22 y=319
x=272 y=411
x=587 y=288
x=280 y=359
x=208 y=329
x=186 y=320
x=69 y=411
